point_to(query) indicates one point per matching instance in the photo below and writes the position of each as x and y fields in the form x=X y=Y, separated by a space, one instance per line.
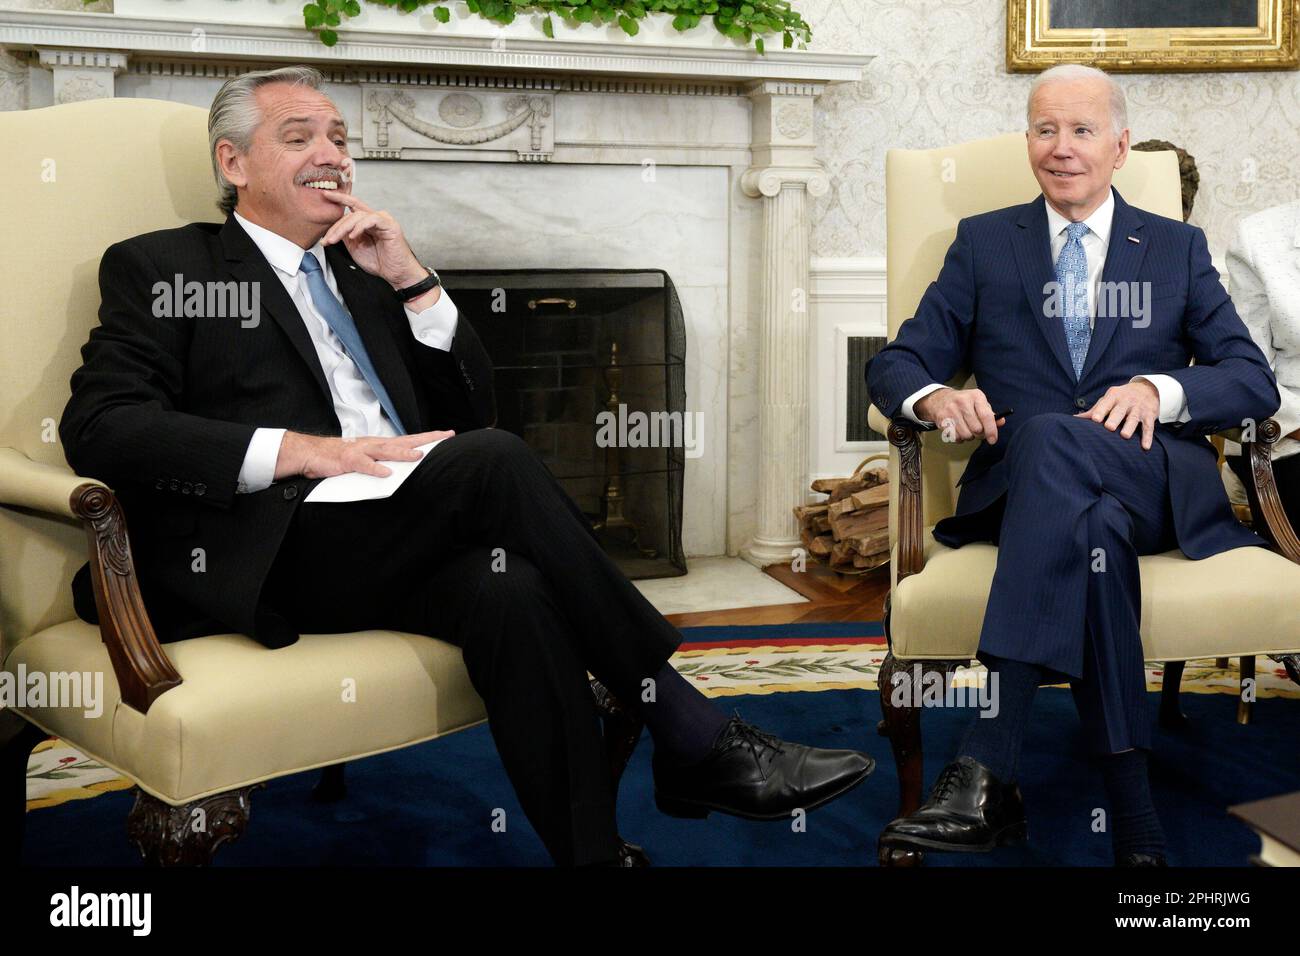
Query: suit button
x=158 y=485
x=186 y=488
x=290 y=492
x=173 y=485
x=200 y=489
x=1080 y=403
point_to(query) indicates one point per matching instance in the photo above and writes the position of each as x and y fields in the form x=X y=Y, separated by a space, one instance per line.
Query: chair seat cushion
x=245 y=714
x=1240 y=602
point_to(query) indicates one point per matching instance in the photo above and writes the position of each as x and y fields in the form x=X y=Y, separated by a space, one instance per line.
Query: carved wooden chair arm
x=904 y=435
x=143 y=669
x=1265 y=504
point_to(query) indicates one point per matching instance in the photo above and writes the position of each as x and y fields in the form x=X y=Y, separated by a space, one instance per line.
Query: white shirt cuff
x=1173 y=400
x=910 y=404
x=436 y=325
x=258 y=470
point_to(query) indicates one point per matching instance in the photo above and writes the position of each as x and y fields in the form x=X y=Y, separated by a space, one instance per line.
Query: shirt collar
x=284 y=254
x=1098 y=223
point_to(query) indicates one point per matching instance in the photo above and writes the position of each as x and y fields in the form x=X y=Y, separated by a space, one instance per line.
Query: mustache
x=341 y=176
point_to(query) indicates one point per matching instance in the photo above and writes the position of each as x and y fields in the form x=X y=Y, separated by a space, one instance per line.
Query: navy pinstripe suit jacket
x=987 y=313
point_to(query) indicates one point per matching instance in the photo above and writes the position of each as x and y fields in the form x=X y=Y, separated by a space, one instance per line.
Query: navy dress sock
x=683 y=722
x=1134 y=826
x=995 y=741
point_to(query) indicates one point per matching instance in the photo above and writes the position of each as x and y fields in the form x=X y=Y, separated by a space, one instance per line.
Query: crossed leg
x=481 y=547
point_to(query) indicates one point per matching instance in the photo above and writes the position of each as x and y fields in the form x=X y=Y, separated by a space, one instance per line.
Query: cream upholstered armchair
x=198 y=723
x=1237 y=604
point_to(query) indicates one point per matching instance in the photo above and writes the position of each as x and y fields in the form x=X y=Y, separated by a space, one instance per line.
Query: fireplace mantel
x=386 y=36
x=732 y=135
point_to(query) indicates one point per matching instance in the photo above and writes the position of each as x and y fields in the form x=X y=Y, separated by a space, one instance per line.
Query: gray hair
x=1077 y=71
x=235 y=115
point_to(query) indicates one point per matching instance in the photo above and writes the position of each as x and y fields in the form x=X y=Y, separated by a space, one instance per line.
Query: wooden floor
x=832 y=597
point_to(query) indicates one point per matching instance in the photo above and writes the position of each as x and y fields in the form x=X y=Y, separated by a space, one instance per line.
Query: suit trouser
x=1082 y=504
x=482 y=547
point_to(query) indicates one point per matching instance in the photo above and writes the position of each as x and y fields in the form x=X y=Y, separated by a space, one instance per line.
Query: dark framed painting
x=1153 y=36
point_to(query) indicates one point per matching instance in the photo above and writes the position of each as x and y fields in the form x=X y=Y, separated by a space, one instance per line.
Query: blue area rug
x=434 y=805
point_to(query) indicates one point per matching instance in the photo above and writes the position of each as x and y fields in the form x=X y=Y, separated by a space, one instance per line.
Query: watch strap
x=428 y=283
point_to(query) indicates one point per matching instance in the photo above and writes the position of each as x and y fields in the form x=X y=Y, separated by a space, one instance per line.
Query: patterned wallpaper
x=939 y=77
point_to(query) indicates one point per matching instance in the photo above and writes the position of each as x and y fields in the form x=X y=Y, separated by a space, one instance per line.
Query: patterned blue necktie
x=1072 y=275
x=338 y=318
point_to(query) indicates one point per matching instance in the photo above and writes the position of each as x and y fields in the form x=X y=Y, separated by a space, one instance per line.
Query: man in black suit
x=214 y=425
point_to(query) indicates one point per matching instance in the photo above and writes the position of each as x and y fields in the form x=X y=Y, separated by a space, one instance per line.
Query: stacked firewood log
x=850 y=529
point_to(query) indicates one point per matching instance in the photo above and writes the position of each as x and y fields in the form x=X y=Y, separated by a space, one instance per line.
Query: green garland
x=747 y=20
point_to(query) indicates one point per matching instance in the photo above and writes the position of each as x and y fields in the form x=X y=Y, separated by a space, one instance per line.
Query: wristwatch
x=429 y=282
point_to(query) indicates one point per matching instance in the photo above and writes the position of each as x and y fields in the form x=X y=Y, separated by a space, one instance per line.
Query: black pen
x=1009 y=411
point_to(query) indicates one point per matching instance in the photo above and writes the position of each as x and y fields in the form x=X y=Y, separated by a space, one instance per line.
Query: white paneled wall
x=847 y=299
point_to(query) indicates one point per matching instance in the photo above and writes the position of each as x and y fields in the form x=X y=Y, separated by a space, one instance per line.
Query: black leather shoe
x=1141 y=859
x=753 y=775
x=969 y=810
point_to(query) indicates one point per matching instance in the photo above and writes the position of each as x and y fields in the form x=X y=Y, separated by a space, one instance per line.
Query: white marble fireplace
x=499 y=148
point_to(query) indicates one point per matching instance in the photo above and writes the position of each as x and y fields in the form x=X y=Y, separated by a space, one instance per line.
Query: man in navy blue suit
x=1080 y=313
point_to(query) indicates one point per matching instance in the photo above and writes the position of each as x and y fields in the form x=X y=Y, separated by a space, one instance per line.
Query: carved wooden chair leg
x=1171 y=715
x=902 y=723
x=622 y=731
x=1246 y=707
x=17 y=739
x=188 y=835
x=331 y=787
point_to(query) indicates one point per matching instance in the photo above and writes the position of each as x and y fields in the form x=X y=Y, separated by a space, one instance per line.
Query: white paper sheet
x=355 y=487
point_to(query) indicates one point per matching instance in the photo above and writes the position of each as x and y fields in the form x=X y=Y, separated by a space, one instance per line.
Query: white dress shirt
x=1096 y=241
x=355 y=403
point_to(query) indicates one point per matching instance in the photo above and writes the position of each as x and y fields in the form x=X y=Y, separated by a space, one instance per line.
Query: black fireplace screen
x=590 y=371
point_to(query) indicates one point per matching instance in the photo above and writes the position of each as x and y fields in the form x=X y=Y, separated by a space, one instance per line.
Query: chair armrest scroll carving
x=142 y=668
x=1265 y=503
x=906 y=437
x=144 y=672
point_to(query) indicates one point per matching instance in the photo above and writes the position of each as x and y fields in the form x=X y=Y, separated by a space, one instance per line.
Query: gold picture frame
x=1033 y=44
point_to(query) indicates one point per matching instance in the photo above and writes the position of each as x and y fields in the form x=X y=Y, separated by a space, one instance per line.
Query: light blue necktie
x=338 y=318
x=1072 y=275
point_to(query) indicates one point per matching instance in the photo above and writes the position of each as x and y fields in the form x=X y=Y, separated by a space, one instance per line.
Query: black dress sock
x=1134 y=826
x=683 y=722
x=995 y=741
